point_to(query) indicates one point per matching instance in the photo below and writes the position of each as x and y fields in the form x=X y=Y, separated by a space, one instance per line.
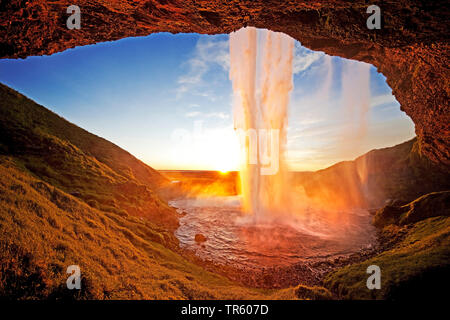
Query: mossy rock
x=430 y=205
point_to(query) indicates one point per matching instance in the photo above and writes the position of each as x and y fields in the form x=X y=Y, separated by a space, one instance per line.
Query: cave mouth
x=180 y=83
x=338 y=111
x=409 y=49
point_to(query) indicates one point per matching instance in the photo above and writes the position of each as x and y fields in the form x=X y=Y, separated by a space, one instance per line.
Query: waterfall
x=261 y=73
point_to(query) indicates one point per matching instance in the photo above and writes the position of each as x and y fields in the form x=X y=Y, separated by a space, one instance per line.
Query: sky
x=167 y=99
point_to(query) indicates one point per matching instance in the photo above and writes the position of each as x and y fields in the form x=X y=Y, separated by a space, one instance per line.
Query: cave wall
x=411 y=49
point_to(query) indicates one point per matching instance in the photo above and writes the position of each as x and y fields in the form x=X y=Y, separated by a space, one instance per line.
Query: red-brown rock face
x=411 y=49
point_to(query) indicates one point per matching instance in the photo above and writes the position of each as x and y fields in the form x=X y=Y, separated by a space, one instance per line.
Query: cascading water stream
x=261 y=72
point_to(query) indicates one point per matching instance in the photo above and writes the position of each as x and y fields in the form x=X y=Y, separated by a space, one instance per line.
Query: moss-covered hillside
x=89 y=167
x=416 y=265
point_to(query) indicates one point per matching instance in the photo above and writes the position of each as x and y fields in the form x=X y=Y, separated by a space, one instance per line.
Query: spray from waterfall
x=261 y=72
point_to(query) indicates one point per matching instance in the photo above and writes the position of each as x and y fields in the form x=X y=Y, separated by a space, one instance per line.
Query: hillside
x=398 y=173
x=415 y=260
x=86 y=166
x=44 y=230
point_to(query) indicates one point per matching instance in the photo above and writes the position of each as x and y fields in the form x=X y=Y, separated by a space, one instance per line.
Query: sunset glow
x=238 y=152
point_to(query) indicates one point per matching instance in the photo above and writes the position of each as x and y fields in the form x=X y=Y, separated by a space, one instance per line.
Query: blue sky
x=167 y=99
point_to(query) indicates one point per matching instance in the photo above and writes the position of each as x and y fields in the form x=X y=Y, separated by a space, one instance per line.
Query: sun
x=214 y=149
x=225 y=165
x=221 y=151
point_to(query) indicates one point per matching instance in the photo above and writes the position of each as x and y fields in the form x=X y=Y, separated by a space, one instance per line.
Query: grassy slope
x=401 y=172
x=430 y=205
x=414 y=268
x=20 y=113
x=44 y=230
x=78 y=162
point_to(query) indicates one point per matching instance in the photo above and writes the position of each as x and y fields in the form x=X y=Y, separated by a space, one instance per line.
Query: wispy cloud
x=193 y=114
x=198 y=114
x=220 y=115
x=304 y=58
x=208 y=53
x=382 y=100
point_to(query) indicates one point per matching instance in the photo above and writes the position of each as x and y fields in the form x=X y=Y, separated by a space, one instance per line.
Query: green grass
x=415 y=267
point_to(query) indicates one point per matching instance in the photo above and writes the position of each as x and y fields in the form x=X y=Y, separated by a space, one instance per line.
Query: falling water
x=356 y=103
x=262 y=75
x=355 y=100
x=261 y=72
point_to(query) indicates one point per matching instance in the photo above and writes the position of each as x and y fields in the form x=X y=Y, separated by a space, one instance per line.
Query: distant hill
x=80 y=163
x=398 y=173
